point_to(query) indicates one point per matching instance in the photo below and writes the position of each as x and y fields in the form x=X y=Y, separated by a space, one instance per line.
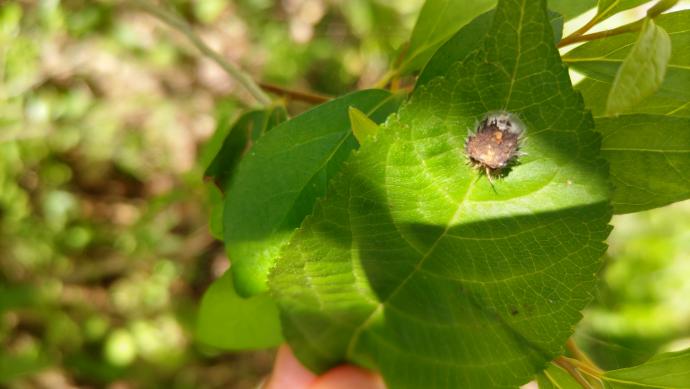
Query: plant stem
x=585 y=368
x=385 y=79
x=177 y=23
x=592 y=22
x=661 y=6
x=580 y=355
x=309 y=97
x=572 y=370
x=579 y=35
x=632 y=27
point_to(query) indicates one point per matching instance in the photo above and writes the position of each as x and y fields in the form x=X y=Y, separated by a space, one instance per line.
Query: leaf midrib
x=453 y=220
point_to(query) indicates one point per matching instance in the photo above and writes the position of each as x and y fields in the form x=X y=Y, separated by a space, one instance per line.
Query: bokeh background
x=105 y=120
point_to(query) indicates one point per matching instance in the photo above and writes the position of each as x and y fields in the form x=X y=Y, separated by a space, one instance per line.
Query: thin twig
x=579 y=35
x=580 y=31
x=308 y=97
x=632 y=27
x=177 y=23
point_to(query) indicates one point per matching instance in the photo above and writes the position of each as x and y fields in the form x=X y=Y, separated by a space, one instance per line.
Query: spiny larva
x=496 y=143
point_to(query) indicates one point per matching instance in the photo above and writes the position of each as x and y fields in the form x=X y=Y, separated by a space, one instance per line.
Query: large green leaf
x=668 y=370
x=416 y=266
x=287 y=169
x=642 y=71
x=599 y=60
x=230 y=322
x=649 y=158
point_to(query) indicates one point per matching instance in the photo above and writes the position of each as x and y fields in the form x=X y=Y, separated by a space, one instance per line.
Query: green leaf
x=277 y=183
x=642 y=71
x=415 y=265
x=649 y=159
x=214 y=201
x=470 y=38
x=225 y=117
x=228 y=145
x=230 y=322
x=438 y=20
x=667 y=370
x=441 y=19
x=608 y=8
x=555 y=377
x=363 y=128
x=599 y=60
x=556 y=21
x=569 y=8
x=463 y=43
x=246 y=130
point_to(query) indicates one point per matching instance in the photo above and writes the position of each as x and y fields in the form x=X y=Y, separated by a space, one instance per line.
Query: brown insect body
x=494 y=146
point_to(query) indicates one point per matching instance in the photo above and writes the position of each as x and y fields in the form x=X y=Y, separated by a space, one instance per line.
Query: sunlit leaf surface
x=276 y=184
x=416 y=265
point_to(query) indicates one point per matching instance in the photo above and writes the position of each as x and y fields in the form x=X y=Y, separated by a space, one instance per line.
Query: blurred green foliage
x=643 y=306
x=104 y=243
x=104 y=113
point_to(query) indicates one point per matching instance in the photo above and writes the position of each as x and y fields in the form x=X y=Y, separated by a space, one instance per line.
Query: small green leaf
x=600 y=60
x=363 y=128
x=555 y=377
x=649 y=159
x=214 y=201
x=642 y=71
x=570 y=9
x=225 y=112
x=608 y=8
x=441 y=19
x=279 y=180
x=438 y=20
x=246 y=130
x=467 y=39
x=556 y=20
x=667 y=370
x=230 y=322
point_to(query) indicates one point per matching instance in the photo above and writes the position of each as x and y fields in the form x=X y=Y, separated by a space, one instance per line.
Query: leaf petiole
x=580 y=36
x=630 y=27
